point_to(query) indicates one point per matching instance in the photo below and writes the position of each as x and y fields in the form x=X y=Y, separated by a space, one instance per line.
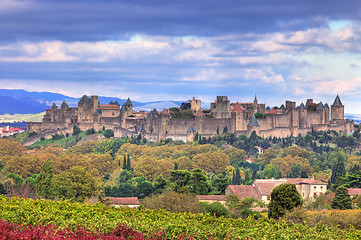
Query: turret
x=253 y=125
x=337 y=109
x=190 y=134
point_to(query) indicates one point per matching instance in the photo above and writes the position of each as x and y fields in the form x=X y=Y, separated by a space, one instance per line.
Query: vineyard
x=65 y=220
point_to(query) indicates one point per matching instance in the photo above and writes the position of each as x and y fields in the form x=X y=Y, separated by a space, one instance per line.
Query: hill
x=18 y=101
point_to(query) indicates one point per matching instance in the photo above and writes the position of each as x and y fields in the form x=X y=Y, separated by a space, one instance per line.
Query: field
x=22 y=117
x=100 y=219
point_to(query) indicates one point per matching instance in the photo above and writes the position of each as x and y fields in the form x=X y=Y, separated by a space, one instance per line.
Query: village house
x=117 y=202
x=261 y=189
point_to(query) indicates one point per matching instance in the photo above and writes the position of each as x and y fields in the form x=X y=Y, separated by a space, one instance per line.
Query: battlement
x=223 y=116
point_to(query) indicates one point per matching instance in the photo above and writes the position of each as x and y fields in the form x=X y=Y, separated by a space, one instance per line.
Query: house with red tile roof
x=212 y=198
x=353 y=192
x=261 y=189
x=130 y=202
x=243 y=191
x=9 y=131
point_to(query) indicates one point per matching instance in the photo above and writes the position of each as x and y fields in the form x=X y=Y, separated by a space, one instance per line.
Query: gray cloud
x=99 y=20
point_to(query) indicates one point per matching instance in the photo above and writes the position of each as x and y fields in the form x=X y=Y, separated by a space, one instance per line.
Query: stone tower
x=191 y=134
x=222 y=108
x=129 y=106
x=337 y=109
x=195 y=104
x=253 y=125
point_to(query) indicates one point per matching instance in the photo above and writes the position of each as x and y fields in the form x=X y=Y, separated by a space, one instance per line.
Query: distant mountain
x=355 y=117
x=11 y=105
x=157 y=105
x=24 y=102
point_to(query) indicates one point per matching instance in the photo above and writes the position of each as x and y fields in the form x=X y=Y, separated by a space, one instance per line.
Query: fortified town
x=237 y=118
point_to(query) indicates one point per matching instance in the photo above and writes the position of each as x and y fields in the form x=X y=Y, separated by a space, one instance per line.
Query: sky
x=152 y=50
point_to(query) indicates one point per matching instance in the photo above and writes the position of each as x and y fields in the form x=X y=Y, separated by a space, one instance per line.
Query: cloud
x=89 y=20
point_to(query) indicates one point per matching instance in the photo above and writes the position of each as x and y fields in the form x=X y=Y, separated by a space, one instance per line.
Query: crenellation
x=237 y=118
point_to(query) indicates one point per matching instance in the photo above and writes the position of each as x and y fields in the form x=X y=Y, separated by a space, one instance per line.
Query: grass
x=59 y=142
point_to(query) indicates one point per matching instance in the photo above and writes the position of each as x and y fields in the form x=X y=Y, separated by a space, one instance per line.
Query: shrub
x=90 y=131
x=173 y=202
x=108 y=133
x=215 y=209
x=284 y=197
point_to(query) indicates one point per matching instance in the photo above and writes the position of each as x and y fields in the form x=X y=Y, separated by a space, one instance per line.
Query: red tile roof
x=272 y=111
x=123 y=200
x=211 y=197
x=237 y=108
x=165 y=112
x=200 y=113
x=108 y=106
x=354 y=191
x=243 y=191
x=265 y=188
x=304 y=181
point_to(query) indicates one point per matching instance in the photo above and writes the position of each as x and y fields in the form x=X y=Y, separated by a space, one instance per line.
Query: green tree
x=241 y=209
x=173 y=202
x=44 y=181
x=180 y=180
x=76 y=184
x=215 y=209
x=160 y=184
x=129 y=167
x=31 y=180
x=76 y=130
x=108 y=133
x=338 y=172
x=2 y=189
x=199 y=183
x=271 y=171
x=296 y=170
x=175 y=166
x=284 y=197
x=237 y=177
x=124 y=163
x=220 y=183
x=185 y=106
x=352 y=179
x=342 y=199
x=16 y=178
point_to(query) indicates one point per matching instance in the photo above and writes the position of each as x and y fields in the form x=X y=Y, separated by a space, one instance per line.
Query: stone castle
x=237 y=118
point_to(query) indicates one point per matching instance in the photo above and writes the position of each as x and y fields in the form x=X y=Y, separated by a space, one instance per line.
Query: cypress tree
x=44 y=181
x=246 y=177
x=195 y=137
x=124 y=163
x=128 y=164
x=237 y=179
x=175 y=166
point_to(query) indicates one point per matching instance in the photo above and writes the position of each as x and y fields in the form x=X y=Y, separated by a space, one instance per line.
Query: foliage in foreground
x=102 y=219
x=13 y=231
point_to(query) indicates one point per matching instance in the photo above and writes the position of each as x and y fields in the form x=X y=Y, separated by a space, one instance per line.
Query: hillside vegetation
x=159 y=224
